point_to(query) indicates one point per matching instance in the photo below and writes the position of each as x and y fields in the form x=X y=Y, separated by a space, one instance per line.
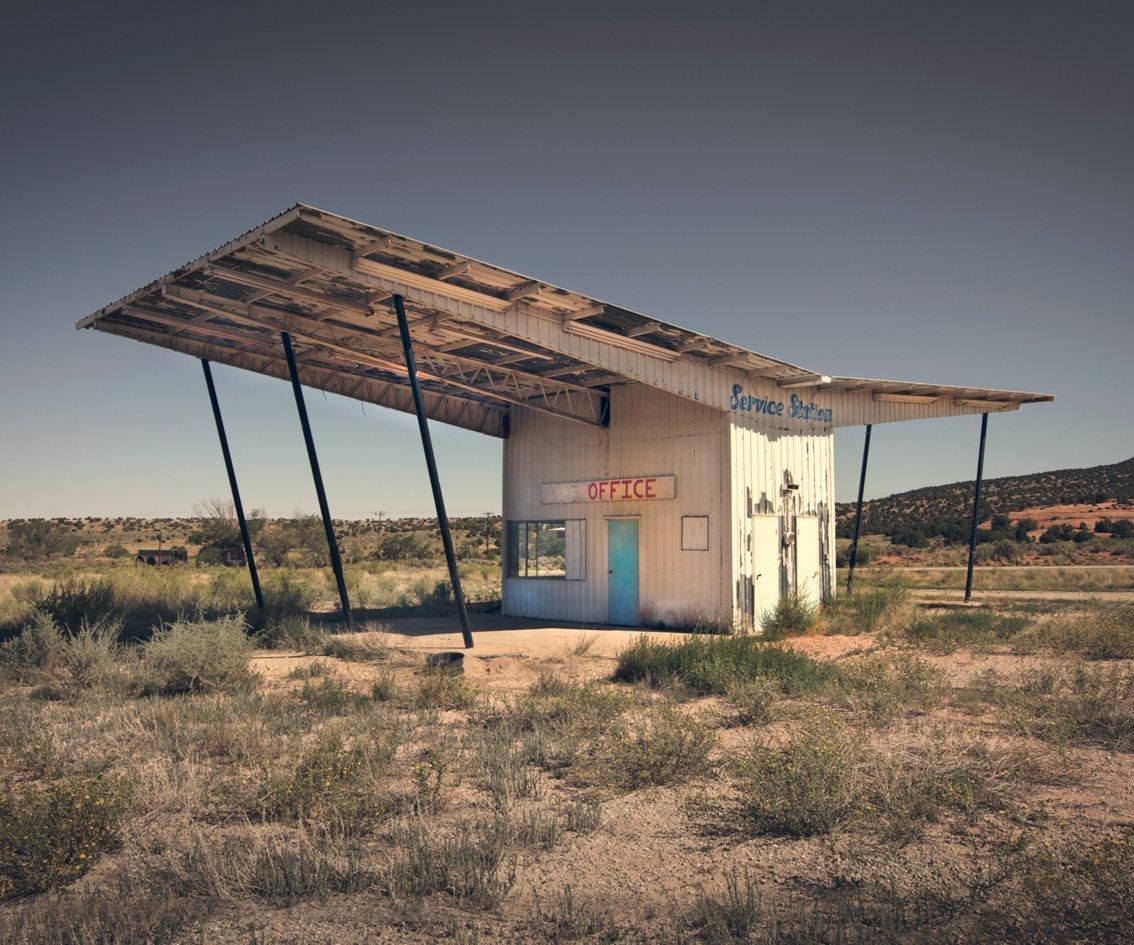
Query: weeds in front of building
x=203 y=775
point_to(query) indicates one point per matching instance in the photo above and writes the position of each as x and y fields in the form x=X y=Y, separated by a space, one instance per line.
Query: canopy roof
x=485 y=338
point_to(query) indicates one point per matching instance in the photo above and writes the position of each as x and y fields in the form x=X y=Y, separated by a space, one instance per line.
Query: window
x=694 y=533
x=546 y=550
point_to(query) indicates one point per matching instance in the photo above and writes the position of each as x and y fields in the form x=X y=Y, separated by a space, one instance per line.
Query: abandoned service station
x=652 y=475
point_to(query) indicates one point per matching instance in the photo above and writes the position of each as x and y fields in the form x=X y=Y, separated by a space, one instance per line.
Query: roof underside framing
x=485 y=339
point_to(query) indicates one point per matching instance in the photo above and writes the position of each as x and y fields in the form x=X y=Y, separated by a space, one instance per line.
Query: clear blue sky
x=940 y=192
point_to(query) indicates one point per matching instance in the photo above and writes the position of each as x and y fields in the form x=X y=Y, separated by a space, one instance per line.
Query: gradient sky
x=925 y=191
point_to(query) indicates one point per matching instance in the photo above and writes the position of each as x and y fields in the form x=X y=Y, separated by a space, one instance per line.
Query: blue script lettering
x=797 y=408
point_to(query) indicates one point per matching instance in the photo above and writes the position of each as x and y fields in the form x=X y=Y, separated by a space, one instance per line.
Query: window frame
x=512 y=540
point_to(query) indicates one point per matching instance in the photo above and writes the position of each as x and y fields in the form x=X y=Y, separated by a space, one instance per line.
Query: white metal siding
x=650 y=433
x=761 y=455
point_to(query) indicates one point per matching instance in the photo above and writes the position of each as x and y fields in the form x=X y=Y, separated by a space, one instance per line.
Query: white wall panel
x=650 y=433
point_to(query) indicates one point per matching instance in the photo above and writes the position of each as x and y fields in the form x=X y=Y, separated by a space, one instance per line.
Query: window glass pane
x=537 y=549
x=551 y=560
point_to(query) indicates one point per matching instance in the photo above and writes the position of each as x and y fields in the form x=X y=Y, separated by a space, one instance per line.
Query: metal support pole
x=320 y=492
x=858 y=508
x=431 y=466
x=976 y=508
x=244 y=537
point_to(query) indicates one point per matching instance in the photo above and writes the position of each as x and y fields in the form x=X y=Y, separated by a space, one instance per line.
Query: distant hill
x=935 y=508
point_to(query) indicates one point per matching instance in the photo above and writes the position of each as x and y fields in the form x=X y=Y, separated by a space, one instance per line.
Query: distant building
x=232 y=557
x=158 y=556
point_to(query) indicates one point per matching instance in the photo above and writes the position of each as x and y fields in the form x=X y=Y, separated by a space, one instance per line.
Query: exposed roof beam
x=526 y=290
x=279 y=287
x=885 y=398
x=807 y=380
x=987 y=404
x=477 y=415
x=264 y=317
x=595 y=333
x=733 y=360
x=643 y=329
x=588 y=312
x=372 y=246
x=456 y=269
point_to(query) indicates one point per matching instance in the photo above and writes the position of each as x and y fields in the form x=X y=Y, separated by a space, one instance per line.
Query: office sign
x=627 y=489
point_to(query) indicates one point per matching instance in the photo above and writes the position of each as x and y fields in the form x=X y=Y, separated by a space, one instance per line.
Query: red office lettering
x=650 y=488
x=626 y=488
x=592 y=491
x=638 y=483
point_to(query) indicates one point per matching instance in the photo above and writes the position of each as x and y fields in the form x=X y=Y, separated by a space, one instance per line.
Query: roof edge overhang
x=485 y=335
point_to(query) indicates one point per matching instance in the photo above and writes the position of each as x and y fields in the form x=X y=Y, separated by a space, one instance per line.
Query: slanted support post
x=431 y=466
x=976 y=508
x=858 y=507
x=244 y=536
x=320 y=492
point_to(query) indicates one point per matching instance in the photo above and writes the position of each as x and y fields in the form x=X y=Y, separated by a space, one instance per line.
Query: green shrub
x=53 y=834
x=792 y=616
x=41 y=653
x=196 y=656
x=91 y=657
x=285 y=596
x=807 y=787
x=706 y=664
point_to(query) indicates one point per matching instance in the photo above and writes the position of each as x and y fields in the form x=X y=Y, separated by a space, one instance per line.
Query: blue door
x=622 y=571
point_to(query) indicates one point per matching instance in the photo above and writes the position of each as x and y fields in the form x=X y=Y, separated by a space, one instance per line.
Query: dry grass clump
x=313 y=670
x=829 y=775
x=330 y=697
x=50 y=834
x=1074 y=707
x=43 y=654
x=441 y=690
x=118 y=910
x=277 y=867
x=558 y=722
x=792 y=616
x=660 y=746
x=196 y=656
x=884 y=685
x=712 y=665
x=948 y=631
x=291 y=632
x=1103 y=634
x=355 y=650
x=884 y=609
x=334 y=783
x=473 y=864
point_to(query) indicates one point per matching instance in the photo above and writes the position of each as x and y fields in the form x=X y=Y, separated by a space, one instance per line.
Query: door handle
x=610 y=570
